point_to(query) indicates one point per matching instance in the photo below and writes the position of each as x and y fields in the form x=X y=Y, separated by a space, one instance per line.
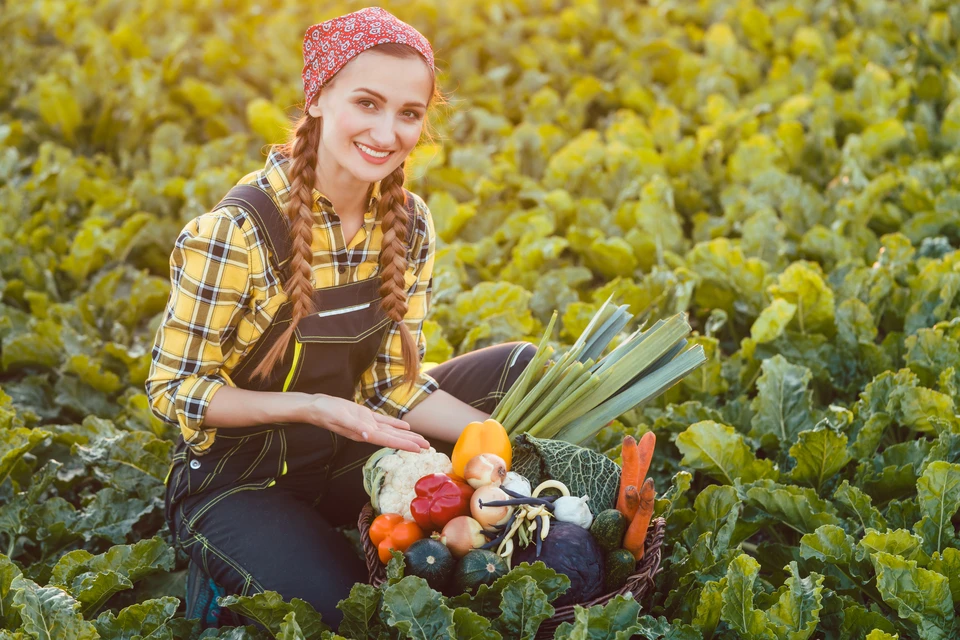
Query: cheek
x=411 y=135
x=346 y=126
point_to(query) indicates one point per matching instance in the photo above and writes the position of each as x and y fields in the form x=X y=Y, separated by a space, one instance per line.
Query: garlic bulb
x=517 y=483
x=573 y=510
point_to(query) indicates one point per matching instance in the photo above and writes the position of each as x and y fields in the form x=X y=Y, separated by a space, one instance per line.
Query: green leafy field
x=786 y=172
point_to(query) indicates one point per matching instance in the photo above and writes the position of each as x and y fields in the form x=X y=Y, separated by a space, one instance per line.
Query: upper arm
x=209 y=290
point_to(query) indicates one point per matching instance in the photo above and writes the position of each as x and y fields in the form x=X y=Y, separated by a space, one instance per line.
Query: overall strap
x=267 y=217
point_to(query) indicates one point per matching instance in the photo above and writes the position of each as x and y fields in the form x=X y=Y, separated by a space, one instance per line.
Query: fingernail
x=364 y=434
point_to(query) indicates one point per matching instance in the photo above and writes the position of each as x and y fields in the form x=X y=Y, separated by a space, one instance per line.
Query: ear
x=314 y=108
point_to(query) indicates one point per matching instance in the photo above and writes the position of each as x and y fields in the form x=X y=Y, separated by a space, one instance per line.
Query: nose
x=382 y=134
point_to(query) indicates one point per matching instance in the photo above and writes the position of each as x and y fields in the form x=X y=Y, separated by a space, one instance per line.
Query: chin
x=372 y=174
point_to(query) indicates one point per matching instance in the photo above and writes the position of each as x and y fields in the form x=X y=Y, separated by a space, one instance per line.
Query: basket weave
x=639 y=582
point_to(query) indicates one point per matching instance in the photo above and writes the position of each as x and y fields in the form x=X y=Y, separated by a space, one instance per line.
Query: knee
x=525 y=353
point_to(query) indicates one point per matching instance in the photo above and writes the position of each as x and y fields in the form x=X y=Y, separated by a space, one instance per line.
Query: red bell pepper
x=440 y=499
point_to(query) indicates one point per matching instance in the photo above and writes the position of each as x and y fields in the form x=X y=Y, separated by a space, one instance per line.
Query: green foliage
x=786 y=174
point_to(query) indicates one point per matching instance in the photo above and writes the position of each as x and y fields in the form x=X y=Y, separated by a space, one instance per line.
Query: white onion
x=484 y=469
x=488 y=516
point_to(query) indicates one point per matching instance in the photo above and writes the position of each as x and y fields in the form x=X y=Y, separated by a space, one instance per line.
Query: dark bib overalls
x=258 y=510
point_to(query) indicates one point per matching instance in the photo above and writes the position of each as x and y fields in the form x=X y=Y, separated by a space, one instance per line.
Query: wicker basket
x=639 y=583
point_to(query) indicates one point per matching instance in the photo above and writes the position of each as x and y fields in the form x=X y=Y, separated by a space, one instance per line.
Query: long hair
x=301 y=148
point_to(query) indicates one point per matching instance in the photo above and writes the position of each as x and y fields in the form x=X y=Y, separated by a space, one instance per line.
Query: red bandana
x=330 y=45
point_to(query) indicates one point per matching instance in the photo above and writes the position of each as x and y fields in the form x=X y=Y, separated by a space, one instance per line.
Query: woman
x=290 y=348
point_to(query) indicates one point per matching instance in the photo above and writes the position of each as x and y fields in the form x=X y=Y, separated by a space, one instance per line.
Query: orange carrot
x=632 y=502
x=628 y=472
x=636 y=534
x=645 y=452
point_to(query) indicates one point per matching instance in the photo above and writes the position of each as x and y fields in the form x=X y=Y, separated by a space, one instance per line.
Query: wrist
x=299 y=406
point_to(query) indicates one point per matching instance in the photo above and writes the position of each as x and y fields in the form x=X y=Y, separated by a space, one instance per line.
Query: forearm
x=442 y=417
x=235 y=407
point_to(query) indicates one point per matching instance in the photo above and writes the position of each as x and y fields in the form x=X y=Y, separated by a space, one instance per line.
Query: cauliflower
x=390 y=475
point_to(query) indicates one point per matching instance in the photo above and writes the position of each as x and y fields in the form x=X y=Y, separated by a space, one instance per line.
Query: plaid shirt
x=224 y=294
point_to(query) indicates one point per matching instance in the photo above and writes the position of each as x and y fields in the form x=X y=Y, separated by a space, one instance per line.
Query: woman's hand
x=357 y=422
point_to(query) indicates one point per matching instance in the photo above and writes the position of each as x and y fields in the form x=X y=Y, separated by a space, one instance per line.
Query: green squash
x=478 y=567
x=620 y=565
x=608 y=528
x=431 y=560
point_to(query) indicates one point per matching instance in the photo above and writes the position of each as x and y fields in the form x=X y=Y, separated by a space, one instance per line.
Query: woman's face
x=375 y=104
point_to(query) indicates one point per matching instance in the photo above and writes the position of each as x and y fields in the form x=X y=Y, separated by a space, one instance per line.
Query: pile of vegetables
x=576 y=395
x=466 y=521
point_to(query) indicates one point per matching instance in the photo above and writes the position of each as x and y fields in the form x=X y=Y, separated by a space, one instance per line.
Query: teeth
x=375 y=154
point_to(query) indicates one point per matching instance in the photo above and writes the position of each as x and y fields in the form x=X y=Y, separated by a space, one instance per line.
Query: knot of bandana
x=330 y=45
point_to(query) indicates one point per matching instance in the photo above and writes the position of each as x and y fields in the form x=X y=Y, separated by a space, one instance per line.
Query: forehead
x=399 y=80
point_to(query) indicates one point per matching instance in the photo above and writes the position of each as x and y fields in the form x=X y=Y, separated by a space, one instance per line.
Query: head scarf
x=330 y=45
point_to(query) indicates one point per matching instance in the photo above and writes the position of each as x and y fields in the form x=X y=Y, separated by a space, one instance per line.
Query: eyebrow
x=382 y=99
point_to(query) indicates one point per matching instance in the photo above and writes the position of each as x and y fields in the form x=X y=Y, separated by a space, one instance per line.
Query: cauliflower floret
x=390 y=476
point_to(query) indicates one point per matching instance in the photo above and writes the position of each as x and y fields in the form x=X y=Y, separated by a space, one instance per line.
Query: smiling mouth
x=372 y=152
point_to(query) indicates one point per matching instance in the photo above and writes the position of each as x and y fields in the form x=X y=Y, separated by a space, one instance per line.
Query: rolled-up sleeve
x=209 y=289
x=382 y=387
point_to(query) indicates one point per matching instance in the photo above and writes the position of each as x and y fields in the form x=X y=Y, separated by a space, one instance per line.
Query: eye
x=414 y=115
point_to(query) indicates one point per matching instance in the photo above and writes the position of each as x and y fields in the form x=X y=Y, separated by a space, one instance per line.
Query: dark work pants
x=280 y=536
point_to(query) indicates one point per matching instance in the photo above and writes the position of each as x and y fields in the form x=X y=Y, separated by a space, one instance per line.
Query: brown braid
x=393 y=265
x=302 y=149
x=299 y=211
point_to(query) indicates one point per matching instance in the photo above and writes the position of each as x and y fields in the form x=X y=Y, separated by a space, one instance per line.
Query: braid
x=299 y=211
x=393 y=265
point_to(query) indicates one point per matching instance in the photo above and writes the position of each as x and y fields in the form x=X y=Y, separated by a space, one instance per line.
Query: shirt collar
x=276 y=173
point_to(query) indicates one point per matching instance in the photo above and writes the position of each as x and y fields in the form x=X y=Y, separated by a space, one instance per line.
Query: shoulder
x=272 y=178
x=423 y=222
x=222 y=224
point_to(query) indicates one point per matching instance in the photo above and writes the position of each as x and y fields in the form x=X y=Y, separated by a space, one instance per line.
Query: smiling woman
x=294 y=328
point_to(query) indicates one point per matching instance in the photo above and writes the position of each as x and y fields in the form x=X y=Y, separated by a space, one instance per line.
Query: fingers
x=407 y=436
x=364 y=425
x=393 y=422
x=394 y=441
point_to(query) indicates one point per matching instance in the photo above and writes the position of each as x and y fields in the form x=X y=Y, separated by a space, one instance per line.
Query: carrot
x=645 y=453
x=636 y=534
x=632 y=502
x=628 y=473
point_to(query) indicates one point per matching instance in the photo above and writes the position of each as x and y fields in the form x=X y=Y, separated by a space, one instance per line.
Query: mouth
x=372 y=155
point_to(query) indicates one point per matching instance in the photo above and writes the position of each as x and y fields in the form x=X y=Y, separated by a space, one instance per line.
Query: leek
x=573 y=396
x=549 y=425
x=643 y=355
x=570 y=377
x=519 y=387
x=539 y=389
x=644 y=390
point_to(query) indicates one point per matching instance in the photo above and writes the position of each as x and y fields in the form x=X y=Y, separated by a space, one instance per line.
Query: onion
x=484 y=469
x=462 y=534
x=487 y=516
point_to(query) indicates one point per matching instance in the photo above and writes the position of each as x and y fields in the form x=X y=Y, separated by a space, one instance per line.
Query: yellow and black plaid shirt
x=224 y=294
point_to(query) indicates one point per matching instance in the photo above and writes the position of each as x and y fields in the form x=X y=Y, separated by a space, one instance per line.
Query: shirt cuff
x=402 y=398
x=191 y=404
x=424 y=387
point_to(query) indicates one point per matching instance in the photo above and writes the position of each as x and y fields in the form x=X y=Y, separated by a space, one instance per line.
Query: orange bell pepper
x=488 y=436
x=390 y=531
